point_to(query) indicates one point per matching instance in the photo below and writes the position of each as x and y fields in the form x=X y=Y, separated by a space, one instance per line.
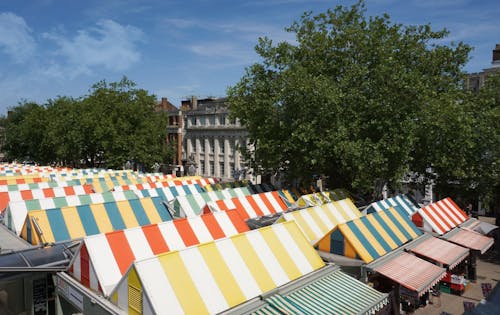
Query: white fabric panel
x=225 y=223
x=267 y=256
x=200 y=229
x=155 y=281
x=296 y=254
x=138 y=243
x=171 y=236
x=238 y=268
x=105 y=265
x=203 y=280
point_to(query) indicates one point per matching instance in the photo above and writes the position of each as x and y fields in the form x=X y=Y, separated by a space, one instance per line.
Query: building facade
x=208 y=142
x=475 y=81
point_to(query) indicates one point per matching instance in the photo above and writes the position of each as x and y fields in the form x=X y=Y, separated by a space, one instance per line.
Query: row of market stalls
x=154 y=244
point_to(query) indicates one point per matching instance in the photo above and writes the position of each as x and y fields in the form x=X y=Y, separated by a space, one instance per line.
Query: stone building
x=208 y=141
x=476 y=80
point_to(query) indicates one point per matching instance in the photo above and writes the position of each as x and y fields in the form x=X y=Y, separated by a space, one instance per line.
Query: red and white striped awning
x=439 y=250
x=443 y=215
x=470 y=239
x=411 y=272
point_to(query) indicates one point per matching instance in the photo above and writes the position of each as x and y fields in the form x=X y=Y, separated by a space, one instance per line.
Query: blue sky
x=176 y=49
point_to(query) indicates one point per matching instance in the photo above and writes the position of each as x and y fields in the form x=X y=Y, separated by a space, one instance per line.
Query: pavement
x=488 y=271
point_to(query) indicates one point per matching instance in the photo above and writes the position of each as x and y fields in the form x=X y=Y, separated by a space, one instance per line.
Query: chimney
x=194 y=102
x=496 y=55
x=164 y=102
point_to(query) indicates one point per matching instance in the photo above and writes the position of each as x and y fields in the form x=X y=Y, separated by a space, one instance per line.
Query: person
x=468 y=209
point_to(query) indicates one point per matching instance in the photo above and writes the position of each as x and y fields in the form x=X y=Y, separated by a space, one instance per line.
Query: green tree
x=25 y=129
x=65 y=135
x=345 y=99
x=123 y=124
x=114 y=123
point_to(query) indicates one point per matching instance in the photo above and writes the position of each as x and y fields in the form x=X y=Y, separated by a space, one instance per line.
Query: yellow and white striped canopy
x=218 y=275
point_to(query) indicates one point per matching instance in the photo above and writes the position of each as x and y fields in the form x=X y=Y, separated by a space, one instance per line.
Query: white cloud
x=108 y=45
x=15 y=37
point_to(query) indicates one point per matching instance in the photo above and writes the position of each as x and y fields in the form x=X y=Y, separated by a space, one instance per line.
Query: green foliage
x=114 y=123
x=347 y=99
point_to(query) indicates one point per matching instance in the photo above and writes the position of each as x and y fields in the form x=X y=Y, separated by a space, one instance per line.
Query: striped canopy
x=470 y=239
x=41 y=193
x=333 y=293
x=371 y=236
x=399 y=201
x=111 y=254
x=17 y=211
x=168 y=194
x=31 y=186
x=316 y=222
x=311 y=200
x=438 y=250
x=441 y=216
x=411 y=272
x=145 y=186
x=158 y=177
x=68 y=223
x=215 y=276
x=192 y=205
x=251 y=206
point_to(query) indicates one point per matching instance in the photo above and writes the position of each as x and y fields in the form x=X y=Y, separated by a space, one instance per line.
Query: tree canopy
x=114 y=123
x=363 y=100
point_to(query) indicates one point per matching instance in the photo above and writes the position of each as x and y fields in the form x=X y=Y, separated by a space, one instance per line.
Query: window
x=221 y=169
x=222 y=120
x=211 y=169
x=134 y=298
x=193 y=120
x=221 y=146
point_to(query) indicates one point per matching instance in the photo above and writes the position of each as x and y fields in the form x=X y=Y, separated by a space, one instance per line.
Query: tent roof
x=17 y=211
x=316 y=222
x=469 y=239
x=332 y=292
x=378 y=233
x=251 y=206
x=400 y=200
x=438 y=250
x=111 y=254
x=216 y=276
x=443 y=215
x=73 y=222
x=192 y=205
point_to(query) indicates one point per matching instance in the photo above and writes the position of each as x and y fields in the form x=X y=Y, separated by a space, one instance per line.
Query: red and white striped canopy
x=442 y=216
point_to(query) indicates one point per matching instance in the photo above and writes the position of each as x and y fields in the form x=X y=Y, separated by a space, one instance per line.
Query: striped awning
x=399 y=201
x=311 y=200
x=168 y=194
x=316 y=222
x=251 y=206
x=470 y=239
x=216 y=276
x=333 y=292
x=111 y=254
x=438 y=250
x=478 y=226
x=67 y=223
x=411 y=272
x=192 y=205
x=41 y=193
x=17 y=211
x=442 y=216
x=370 y=237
